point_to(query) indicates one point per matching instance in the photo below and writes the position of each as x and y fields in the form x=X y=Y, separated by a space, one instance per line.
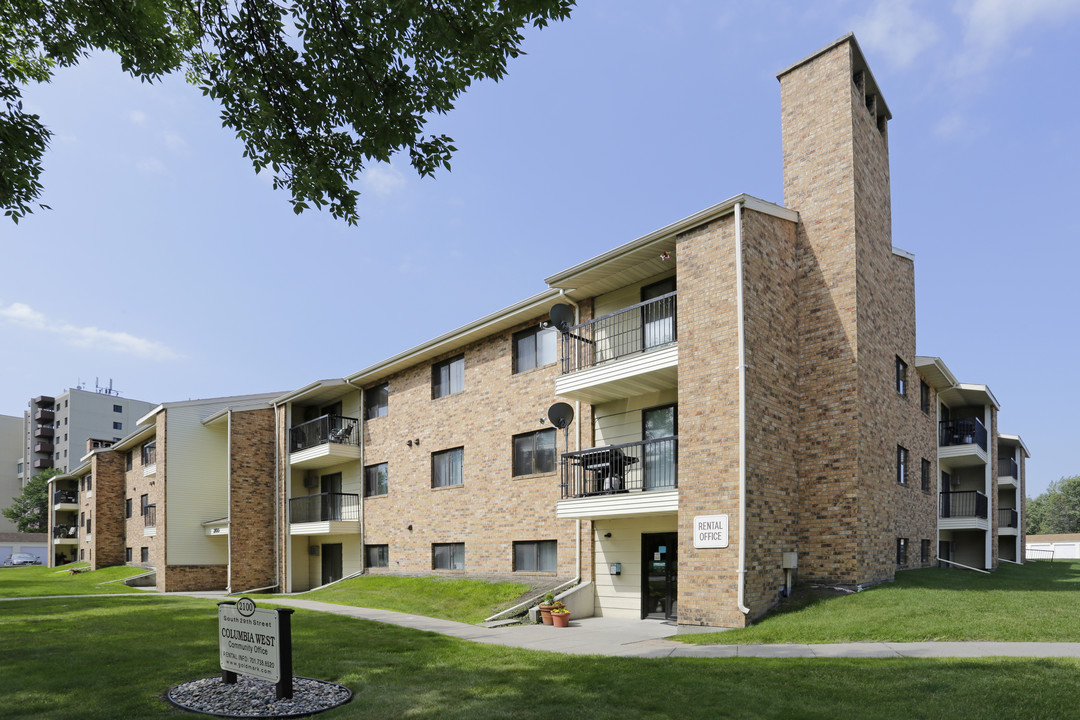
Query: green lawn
x=111 y=658
x=34 y=580
x=1036 y=601
x=469 y=601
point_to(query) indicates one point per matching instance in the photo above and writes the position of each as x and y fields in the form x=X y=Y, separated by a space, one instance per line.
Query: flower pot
x=545 y=614
x=560 y=619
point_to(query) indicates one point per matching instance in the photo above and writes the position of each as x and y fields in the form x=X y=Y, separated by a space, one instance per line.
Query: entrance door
x=331 y=563
x=331 y=497
x=661 y=458
x=659 y=575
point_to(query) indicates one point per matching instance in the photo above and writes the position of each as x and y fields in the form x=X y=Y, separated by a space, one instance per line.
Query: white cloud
x=383 y=180
x=990 y=26
x=137 y=116
x=895 y=30
x=87 y=336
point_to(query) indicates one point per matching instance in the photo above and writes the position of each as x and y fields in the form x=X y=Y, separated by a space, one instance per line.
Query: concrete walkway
x=643 y=638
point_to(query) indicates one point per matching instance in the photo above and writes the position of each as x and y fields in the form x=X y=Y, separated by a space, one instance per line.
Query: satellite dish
x=561 y=415
x=562 y=317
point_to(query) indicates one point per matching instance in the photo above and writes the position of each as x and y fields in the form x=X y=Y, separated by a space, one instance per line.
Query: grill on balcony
x=322 y=430
x=962 y=504
x=325 y=507
x=637 y=466
x=636 y=329
x=962 y=431
x=1008 y=518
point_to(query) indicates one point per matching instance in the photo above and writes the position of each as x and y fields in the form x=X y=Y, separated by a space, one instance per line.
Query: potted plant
x=545 y=607
x=560 y=616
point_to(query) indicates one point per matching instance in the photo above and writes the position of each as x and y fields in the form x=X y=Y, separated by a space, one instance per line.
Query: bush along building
x=738 y=403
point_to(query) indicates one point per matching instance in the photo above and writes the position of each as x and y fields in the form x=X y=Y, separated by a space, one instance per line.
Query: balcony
x=150 y=520
x=324 y=441
x=962 y=443
x=44 y=416
x=43 y=463
x=44 y=431
x=963 y=510
x=149 y=459
x=325 y=514
x=1008 y=471
x=639 y=478
x=43 y=447
x=628 y=352
x=65 y=500
x=1008 y=521
x=44 y=401
x=65 y=534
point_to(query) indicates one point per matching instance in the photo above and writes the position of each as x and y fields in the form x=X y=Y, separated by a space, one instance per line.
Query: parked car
x=21 y=559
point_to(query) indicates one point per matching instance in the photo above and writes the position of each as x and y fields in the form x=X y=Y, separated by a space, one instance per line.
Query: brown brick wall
x=105 y=508
x=252 y=508
x=191 y=578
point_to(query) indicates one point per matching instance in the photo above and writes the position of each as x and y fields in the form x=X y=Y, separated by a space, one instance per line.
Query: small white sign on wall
x=710 y=531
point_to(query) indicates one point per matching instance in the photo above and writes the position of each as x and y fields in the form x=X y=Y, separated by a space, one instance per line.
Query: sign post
x=256 y=642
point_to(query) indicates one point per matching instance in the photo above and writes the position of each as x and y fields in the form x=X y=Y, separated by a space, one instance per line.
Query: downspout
x=742 y=407
x=278 y=570
x=228 y=494
x=287 y=488
x=577 y=446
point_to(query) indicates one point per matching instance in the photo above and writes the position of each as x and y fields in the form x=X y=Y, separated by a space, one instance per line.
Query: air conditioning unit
x=313 y=550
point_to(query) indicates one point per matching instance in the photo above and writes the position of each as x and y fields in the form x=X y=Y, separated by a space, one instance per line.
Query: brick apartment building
x=747 y=403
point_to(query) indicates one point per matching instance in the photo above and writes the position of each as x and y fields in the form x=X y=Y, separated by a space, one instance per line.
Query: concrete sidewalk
x=642 y=638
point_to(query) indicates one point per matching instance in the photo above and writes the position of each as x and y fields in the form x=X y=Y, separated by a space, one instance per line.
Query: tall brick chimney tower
x=856 y=312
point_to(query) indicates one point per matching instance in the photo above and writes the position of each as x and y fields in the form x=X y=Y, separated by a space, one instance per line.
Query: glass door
x=331 y=563
x=659 y=575
x=660 y=425
x=658 y=318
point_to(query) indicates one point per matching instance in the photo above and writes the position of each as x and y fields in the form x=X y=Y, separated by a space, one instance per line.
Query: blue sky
x=168 y=266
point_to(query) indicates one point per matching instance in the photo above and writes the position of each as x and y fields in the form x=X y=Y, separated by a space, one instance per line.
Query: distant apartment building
x=56 y=429
x=677 y=427
x=11 y=540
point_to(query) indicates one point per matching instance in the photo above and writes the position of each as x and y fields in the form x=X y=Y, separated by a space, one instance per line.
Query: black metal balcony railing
x=322 y=430
x=149 y=455
x=65 y=497
x=962 y=504
x=1008 y=518
x=1007 y=467
x=962 y=431
x=65 y=531
x=150 y=516
x=645 y=465
x=324 y=507
x=636 y=329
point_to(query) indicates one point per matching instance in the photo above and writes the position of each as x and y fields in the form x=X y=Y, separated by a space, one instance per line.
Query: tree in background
x=314 y=89
x=1056 y=511
x=30 y=511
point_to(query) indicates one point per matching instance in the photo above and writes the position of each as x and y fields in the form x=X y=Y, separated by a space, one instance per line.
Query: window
x=534 y=452
x=89 y=525
x=901 y=551
x=535 y=347
x=82 y=554
x=901 y=465
x=144 y=502
x=89 y=483
x=448 y=377
x=144 y=554
x=448 y=556
x=926 y=475
x=376 y=480
x=901 y=376
x=118 y=408
x=82 y=518
x=539 y=556
x=127 y=509
x=128 y=459
x=377 y=555
x=127 y=554
x=448 y=468
x=375 y=401
x=924 y=552
x=924 y=397
x=118 y=426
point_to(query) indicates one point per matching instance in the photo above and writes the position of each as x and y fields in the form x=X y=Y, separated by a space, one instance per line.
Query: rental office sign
x=256 y=642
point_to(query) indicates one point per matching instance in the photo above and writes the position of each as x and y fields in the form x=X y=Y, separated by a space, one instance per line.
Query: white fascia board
x=903 y=253
x=939 y=365
x=727 y=207
x=307 y=389
x=233 y=400
x=453 y=339
x=141 y=434
x=260 y=404
x=1016 y=439
x=971 y=387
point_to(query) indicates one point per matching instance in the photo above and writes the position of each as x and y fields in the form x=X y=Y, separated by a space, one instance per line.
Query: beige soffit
x=484 y=327
x=319 y=390
x=1014 y=440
